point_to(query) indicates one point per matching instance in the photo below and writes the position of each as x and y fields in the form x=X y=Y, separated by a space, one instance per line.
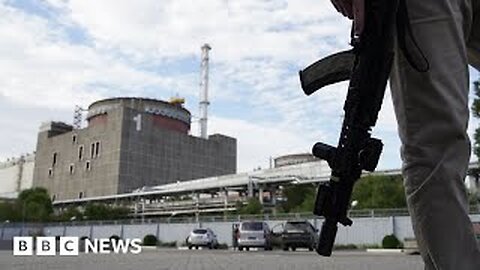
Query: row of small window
x=81 y=195
x=71 y=168
x=94 y=152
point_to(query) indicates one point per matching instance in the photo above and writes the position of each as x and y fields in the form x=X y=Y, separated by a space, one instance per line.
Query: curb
x=384 y=250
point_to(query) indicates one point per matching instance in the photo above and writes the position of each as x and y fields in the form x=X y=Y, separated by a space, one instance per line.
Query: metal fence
x=232 y=218
x=367 y=213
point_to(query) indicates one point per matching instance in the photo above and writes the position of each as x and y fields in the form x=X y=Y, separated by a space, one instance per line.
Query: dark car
x=298 y=234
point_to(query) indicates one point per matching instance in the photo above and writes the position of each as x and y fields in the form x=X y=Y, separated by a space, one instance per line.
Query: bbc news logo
x=70 y=246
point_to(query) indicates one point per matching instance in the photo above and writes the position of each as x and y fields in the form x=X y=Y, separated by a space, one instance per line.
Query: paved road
x=212 y=260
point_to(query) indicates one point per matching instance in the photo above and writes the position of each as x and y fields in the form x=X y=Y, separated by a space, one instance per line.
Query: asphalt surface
x=215 y=259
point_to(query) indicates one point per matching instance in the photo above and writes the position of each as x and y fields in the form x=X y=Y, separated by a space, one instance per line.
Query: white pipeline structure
x=204 y=91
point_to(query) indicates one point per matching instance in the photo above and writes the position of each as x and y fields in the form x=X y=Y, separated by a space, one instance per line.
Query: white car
x=202 y=238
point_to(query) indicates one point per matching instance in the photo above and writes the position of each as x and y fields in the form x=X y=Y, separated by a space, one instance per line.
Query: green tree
x=475 y=196
x=120 y=212
x=308 y=202
x=379 y=192
x=476 y=113
x=35 y=204
x=98 y=211
x=10 y=211
x=71 y=213
x=253 y=207
x=299 y=198
x=473 y=199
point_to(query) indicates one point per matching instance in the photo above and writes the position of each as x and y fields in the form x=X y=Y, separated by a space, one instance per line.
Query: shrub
x=114 y=238
x=83 y=238
x=391 y=241
x=150 y=240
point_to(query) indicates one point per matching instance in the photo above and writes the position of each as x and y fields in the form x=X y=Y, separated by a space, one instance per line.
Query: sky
x=55 y=54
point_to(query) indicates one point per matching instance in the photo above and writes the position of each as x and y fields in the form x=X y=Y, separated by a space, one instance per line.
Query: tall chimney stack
x=204 y=92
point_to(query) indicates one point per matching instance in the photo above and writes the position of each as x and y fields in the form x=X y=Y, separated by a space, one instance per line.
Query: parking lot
x=215 y=259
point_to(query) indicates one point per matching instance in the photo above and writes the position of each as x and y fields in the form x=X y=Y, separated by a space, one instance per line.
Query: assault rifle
x=367 y=66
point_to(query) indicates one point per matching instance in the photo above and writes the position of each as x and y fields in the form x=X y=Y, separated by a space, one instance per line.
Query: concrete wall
x=56 y=230
x=106 y=231
x=8 y=231
x=155 y=155
x=101 y=176
x=8 y=178
x=79 y=231
x=365 y=231
x=26 y=179
x=139 y=231
x=16 y=174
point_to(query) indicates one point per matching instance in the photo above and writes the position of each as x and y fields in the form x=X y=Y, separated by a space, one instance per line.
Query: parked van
x=254 y=234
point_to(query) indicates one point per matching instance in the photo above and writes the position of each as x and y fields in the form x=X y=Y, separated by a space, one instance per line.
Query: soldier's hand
x=354 y=10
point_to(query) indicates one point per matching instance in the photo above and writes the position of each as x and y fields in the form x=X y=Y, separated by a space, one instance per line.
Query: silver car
x=254 y=234
x=202 y=237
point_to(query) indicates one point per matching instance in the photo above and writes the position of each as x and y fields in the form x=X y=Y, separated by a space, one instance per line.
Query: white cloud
x=258 y=46
x=238 y=29
x=257 y=141
x=39 y=68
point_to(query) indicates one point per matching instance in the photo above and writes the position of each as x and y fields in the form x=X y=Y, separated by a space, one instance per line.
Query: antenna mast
x=78 y=117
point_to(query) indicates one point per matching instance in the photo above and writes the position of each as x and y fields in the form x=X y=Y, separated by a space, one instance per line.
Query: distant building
x=16 y=174
x=129 y=143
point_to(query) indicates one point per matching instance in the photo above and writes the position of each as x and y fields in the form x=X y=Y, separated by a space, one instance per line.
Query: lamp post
x=24 y=204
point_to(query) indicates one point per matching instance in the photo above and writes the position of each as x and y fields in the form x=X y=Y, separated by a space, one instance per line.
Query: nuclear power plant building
x=129 y=143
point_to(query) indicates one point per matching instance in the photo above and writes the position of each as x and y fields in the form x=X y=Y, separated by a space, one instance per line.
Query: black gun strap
x=411 y=51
